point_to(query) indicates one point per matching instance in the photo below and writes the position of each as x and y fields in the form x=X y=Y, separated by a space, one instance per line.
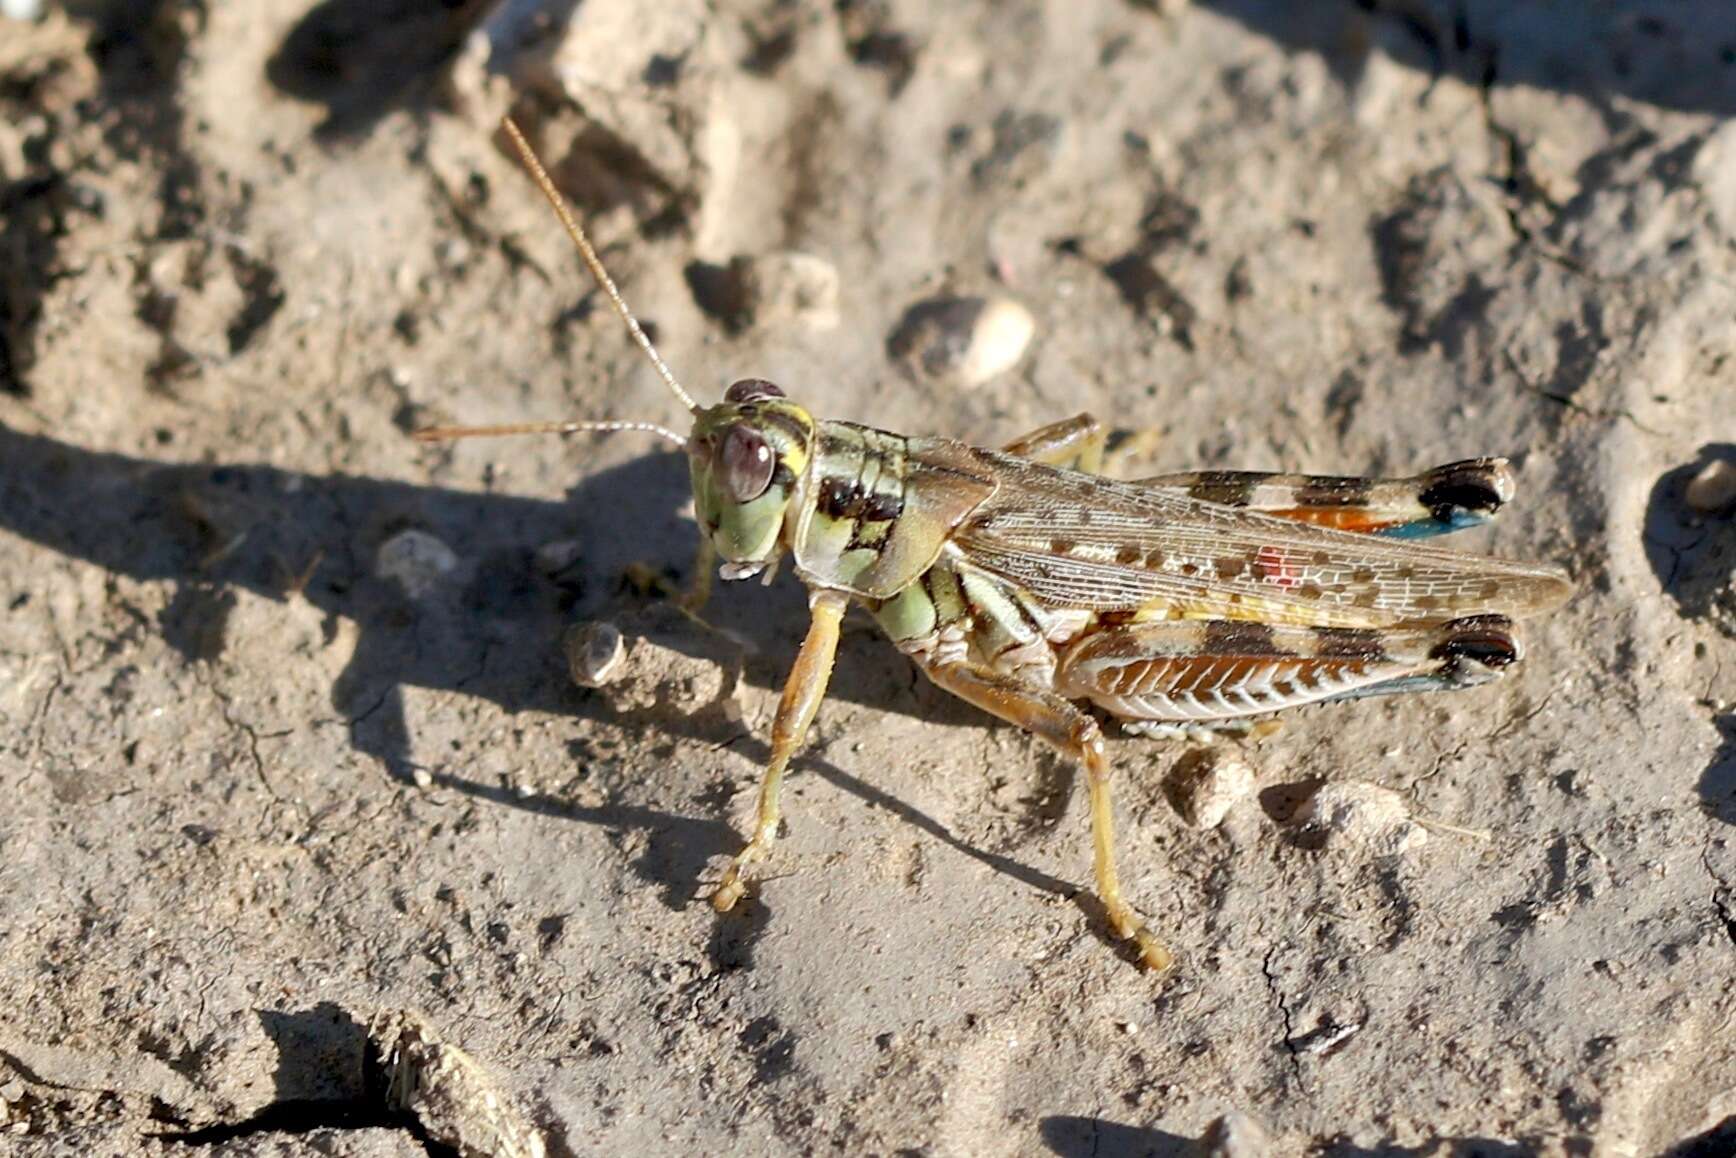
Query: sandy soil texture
x=311 y=844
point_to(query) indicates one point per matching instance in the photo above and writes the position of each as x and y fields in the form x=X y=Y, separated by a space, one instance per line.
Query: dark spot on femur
x=1348 y=643
x=1062 y=546
x=1483 y=639
x=752 y=390
x=1240 y=637
x=1127 y=556
x=1230 y=567
x=1323 y=491
x=1473 y=487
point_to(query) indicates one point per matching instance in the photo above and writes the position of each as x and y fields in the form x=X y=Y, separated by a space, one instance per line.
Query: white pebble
x=1713 y=490
x=554 y=560
x=1206 y=788
x=423 y=778
x=1365 y=814
x=416 y=561
x=965 y=341
x=596 y=653
x=1236 y=1135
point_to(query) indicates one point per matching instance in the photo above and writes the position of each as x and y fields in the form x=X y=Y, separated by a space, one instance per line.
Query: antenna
x=592 y=261
x=447 y=433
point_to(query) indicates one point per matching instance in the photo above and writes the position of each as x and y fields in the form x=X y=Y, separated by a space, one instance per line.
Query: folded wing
x=1074 y=540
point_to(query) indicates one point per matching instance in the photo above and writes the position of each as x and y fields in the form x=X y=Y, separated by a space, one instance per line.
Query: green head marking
x=747 y=454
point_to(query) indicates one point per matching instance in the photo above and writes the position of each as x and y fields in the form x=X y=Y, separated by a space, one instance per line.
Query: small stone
x=1362 y=814
x=416 y=560
x=1236 y=1135
x=786 y=289
x=596 y=653
x=1713 y=490
x=658 y=661
x=962 y=340
x=558 y=562
x=1207 y=784
x=423 y=778
x=12 y=1091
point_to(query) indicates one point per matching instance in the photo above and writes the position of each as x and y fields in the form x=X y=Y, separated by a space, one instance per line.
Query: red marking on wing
x=1271 y=564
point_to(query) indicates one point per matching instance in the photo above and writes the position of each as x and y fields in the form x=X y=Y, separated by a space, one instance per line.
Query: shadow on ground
x=1071 y=1137
x=1694 y=559
x=360 y=59
x=320 y=1083
x=1678 y=54
x=209 y=530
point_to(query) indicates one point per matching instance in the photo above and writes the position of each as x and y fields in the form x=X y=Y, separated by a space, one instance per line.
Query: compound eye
x=752 y=390
x=746 y=463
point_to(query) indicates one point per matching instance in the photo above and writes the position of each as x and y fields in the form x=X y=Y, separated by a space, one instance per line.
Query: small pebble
x=1207 y=785
x=658 y=660
x=1364 y=814
x=596 y=653
x=558 y=561
x=962 y=340
x=1713 y=490
x=1236 y=1135
x=423 y=778
x=415 y=560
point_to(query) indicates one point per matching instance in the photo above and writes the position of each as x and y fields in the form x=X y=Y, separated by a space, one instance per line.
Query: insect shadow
x=1077 y=1137
x=1694 y=558
x=493 y=632
x=1677 y=56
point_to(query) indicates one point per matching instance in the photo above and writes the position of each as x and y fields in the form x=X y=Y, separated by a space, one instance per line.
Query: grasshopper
x=1023 y=581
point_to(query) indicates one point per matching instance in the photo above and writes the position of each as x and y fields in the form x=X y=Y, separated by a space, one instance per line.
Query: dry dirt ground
x=289 y=742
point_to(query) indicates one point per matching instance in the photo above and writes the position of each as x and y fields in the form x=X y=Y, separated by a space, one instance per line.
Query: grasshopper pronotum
x=1024 y=582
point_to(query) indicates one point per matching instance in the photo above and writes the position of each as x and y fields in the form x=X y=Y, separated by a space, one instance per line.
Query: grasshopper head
x=747 y=454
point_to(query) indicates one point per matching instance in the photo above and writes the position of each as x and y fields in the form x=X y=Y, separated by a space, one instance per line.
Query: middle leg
x=1082 y=443
x=1075 y=734
x=1075 y=443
